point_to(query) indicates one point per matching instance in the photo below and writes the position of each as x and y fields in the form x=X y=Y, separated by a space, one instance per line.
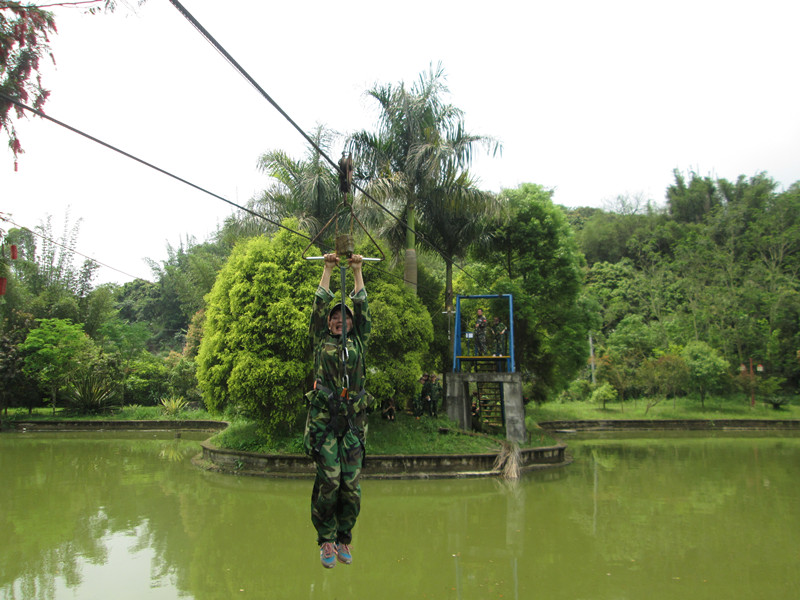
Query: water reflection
x=97 y=516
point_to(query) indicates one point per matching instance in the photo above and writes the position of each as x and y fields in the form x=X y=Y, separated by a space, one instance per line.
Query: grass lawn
x=126 y=413
x=406 y=435
x=737 y=407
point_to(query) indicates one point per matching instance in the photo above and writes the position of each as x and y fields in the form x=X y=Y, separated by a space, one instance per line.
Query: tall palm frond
x=306 y=188
x=421 y=143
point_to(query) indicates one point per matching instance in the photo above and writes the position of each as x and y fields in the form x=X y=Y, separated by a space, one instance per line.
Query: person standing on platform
x=480 y=334
x=498 y=337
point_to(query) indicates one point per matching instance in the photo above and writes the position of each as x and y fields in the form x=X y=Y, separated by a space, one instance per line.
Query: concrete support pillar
x=514 y=409
x=458 y=403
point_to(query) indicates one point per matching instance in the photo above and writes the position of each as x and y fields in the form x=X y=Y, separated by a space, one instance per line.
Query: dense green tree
x=254 y=355
x=632 y=342
x=16 y=388
x=180 y=285
x=430 y=290
x=182 y=377
x=47 y=265
x=54 y=352
x=99 y=307
x=533 y=256
x=754 y=193
x=146 y=380
x=605 y=237
x=633 y=336
x=45 y=281
x=664 y=376
x=691 y=202
x=619 y=370
x=167 y=305
x=707 y=369
x=402 y=331
x=723 y=268
x=614 y=287
x=740 y=275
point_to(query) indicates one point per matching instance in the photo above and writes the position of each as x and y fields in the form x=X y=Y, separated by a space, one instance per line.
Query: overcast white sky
x=593 y=99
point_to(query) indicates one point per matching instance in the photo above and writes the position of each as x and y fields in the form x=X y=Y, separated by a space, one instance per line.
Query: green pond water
x=118 y=516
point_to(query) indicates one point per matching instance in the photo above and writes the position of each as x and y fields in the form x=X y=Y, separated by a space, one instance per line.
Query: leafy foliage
x=534 y=257
x=603 y=394
x=24 y=38
x=147 y=381
x=712 y=280
x=54 y=352
x=706 y=367
x=254 y=354
x=401 y=333
x=15 y=385
x=305 y=189
x=91 y=394
x=172 y=406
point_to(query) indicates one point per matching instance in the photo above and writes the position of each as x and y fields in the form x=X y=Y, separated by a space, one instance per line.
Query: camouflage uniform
x=480 y=336
x=336 y=427
x=416 y=405
x=499 y=338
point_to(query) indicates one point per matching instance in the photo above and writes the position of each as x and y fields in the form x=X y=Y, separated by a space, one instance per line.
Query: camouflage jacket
x=327 y=352
x=480 y=327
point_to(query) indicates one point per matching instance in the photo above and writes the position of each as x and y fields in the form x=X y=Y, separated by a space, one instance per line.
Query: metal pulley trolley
x=345 y=248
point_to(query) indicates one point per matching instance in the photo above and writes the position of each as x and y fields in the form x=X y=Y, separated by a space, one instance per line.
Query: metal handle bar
x=363 y=258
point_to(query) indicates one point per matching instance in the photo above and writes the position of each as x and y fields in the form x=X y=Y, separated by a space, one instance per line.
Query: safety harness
x=339 y=423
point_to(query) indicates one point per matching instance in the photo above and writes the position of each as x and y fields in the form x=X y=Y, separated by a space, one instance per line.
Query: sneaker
x=343 y=553
x=326 y=555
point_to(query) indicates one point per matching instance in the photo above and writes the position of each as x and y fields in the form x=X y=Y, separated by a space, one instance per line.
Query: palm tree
x=307 y=189
x=452 y=218
x=409 y=162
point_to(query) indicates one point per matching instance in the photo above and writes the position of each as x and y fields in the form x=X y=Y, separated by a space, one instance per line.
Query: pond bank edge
x=381 y=466
x=670 y=425
x=384 y=466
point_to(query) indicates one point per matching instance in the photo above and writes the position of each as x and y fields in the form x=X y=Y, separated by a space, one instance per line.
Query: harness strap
x=333 y=408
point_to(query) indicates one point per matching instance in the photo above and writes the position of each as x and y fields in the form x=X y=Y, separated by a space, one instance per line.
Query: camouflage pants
x=336 y=497
x=480 y=344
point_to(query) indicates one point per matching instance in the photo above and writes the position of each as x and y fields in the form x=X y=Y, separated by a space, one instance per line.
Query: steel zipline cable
x=72 y=250
x=211 y=40
x=160 y=170
x=234 y=63
x=145 y=163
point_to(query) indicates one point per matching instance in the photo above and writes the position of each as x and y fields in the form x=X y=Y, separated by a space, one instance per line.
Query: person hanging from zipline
x=338 y=405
